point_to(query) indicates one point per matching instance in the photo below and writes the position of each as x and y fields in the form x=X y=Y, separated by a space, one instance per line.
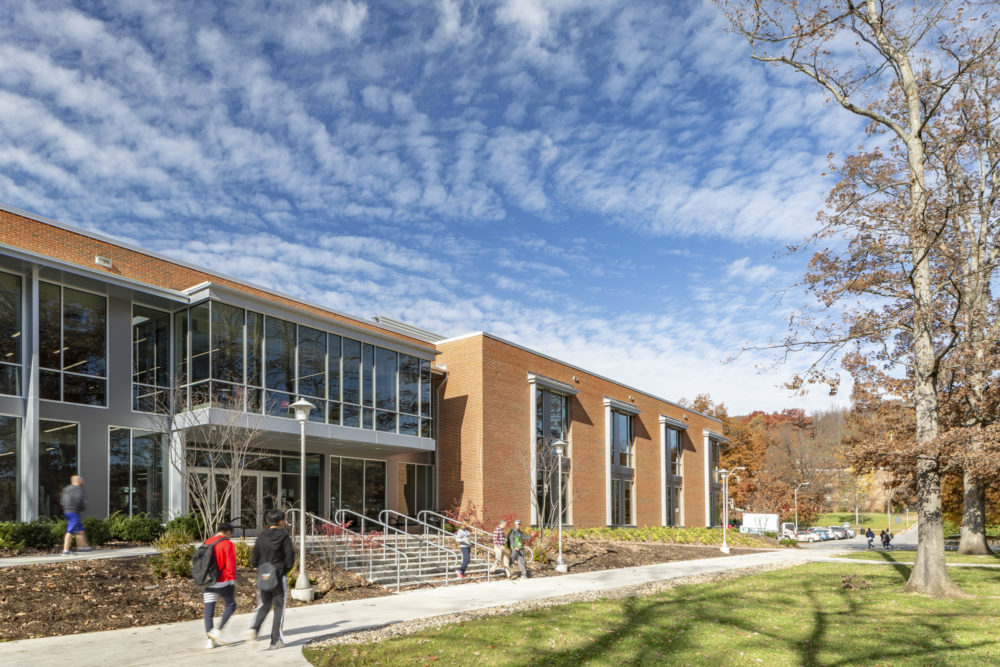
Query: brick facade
x=487 y=420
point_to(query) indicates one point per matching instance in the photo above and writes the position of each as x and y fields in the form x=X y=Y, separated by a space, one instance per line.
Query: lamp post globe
x=303 y=591
x=559 y=447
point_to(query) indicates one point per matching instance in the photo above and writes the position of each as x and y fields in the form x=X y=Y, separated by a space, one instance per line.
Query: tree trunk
x=973 y=518
x=930 y=575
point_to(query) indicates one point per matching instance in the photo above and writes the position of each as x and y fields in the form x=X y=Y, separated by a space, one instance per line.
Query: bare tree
x=227 y=438
x=907 y=61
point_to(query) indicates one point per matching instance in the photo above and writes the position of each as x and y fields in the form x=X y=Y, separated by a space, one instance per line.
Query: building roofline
x=195 y=267
x=486 y=334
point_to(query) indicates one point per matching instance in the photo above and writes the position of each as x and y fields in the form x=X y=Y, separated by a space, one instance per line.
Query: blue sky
x=612 y=184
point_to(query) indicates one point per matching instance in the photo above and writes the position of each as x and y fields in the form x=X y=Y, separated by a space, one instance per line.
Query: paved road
x=904 y=541
x=181 y=643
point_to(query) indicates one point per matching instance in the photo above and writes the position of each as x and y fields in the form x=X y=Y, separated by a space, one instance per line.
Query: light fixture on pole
x=302 y=591
x=559 y=446
x=797 y=507
x=725 y=474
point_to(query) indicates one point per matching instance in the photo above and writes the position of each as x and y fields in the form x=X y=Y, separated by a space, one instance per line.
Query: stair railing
x=321 y=531
x=445 y=536
x=424 y=514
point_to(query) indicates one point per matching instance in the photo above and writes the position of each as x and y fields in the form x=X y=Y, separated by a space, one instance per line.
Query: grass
x=875 y=520
x=798 y=616
x=910 y=556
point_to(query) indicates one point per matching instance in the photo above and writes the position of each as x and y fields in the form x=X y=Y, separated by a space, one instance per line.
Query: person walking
x=73 y=503
x=273 y=557
x=871 y=537
x=888 y=539
x=515 y=542
x=464 y=539
x=881 y=537
x=224 y=587
x=500 y=548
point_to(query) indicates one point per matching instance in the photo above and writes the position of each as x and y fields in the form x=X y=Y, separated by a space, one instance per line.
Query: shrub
x=175 y=561
x=243 y=553
x=951 y=527
x=787 y=542
x=177 y=536
x=98 y=530
x=137 y=528
x=702 y=536
x=191 y=522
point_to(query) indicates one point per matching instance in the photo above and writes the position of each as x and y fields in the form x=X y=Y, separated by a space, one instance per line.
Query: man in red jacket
x=225 y=586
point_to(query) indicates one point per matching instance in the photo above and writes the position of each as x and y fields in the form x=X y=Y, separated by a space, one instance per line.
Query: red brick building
x=91 y=328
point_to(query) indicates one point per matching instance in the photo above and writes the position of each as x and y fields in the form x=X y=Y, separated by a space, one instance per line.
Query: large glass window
x=72 y=345
x=621 y=439
x=10 y=334
x=10 y=445
x=58 y=460
x=312 y=369
x=279 y=365
x=713 y=453
x=409 y=395
x=352 y=485
x=426 y=416
x=674 y=451
x=357 y=485
x=333 y=343
x=135 y=471
x=621 y=502
x=716 y=508
x=352 y=382
x=385 y=389
x=374 y=488
x=150 y=359
x=673 y=506
x=227 y=343
x=416 y=488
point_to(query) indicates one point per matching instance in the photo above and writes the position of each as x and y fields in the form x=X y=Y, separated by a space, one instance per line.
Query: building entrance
x=259 y=493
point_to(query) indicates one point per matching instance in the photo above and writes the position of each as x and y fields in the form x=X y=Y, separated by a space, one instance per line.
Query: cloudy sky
x=610 y=183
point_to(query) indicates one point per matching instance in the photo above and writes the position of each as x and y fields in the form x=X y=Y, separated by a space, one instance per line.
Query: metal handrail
x=448 y=553
x=488 y=547
x=361 y=537
x=453 y=522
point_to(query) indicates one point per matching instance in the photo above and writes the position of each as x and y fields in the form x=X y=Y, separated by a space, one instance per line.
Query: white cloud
x=742 y=269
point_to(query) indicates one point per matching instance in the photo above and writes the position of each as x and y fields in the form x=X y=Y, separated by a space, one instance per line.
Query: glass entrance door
x=258 y=494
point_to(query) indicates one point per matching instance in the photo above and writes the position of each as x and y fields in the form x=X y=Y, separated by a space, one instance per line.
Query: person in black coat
x=273 y=546
x=871 y=537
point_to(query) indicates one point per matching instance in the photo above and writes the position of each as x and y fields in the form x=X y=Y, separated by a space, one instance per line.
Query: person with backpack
x=515 y=542
x=273 y=556
x=871 y=537
x=73 y=503
x=214 y=568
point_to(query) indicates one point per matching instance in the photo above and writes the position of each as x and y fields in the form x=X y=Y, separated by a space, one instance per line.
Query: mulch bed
x=89 y=595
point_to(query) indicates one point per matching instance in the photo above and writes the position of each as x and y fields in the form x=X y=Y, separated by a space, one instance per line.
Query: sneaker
x=84 y=549
x=209 y=643
x=252 y=638
x=458 y=573
x=215 y=635
x=276 y=645
x=67 y=553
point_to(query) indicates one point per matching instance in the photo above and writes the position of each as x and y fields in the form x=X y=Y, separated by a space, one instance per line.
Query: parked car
x=821 y=533
x=838 y=532
x=806 y=536
x=850 y=531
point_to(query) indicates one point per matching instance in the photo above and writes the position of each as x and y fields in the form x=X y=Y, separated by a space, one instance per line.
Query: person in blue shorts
x=73 y=504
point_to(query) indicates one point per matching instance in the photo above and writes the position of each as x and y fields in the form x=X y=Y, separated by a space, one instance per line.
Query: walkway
x=96 y=554
x=181 y=643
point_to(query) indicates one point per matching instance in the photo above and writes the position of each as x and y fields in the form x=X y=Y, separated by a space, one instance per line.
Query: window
x=312 y=370
x=333 y=355
x=409 y=395
x=426 y=421
x=10 y=334
x=713 y=451
x=416 y=488
x=621 y=502
x=135 y=471
x=551 y=415
x=385 y=389
x=551 y=424
x=621 y=439
x=674 y=451
x=150 y=359
x=291 y=481
x=279 y=366
x=72 y=332
x=673 y=505
x=352 y=383
x=716 y=508
x=357 y=485
x=58 y=460
x=10 y=445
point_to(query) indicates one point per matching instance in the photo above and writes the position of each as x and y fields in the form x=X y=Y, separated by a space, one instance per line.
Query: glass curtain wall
x=10 y=445
x=673 y=487
x=415 y=484
x=150 y=360
x=58 y=460
x=72 y=330
x=551 y=424
x=135 y=471
x=233 y=355
x=622 y=483
x=358 y=485
x=10 y=334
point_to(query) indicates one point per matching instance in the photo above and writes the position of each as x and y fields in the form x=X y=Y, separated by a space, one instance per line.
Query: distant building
x=96 y=336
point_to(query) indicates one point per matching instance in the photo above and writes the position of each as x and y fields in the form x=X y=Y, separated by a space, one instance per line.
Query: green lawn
x=876 y=520
x=799 y=616
x=910 y=556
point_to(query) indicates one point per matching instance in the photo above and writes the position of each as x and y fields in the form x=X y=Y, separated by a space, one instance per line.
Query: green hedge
x=46 y=533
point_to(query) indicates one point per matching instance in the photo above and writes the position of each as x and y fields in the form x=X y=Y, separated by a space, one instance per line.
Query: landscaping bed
x=108 y=594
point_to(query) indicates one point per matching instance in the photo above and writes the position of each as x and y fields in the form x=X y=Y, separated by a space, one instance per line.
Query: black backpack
x=268 y=577
x=204 y=568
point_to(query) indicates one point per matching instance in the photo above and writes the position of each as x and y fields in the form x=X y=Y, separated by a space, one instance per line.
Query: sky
x=610 y=183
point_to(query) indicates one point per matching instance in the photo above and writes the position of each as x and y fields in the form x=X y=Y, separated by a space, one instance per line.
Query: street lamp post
x=797 y=507
x=559 y=446
x=725 y=504
x=302 y=591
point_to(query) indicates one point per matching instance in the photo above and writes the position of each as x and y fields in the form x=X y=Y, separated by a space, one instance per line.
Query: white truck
x=759 y=523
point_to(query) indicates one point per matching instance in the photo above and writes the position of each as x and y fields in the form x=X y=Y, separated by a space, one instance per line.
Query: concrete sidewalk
x=96 y=554
x=182 y=643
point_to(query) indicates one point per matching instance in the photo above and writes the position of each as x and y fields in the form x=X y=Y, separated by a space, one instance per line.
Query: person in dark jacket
x=871 y=537
x=73 y=504
x=272 y=546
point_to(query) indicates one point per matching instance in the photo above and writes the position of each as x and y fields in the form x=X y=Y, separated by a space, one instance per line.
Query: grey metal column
x=28 y=460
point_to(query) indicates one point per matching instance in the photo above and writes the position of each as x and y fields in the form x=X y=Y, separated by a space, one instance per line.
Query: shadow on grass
x=903 y=569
